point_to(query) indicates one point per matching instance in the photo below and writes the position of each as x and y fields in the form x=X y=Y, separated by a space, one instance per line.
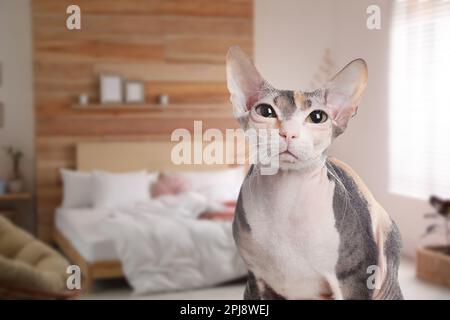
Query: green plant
x=16 y=155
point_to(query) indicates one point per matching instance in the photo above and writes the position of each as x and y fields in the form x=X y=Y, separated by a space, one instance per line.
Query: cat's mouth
x=288 y=156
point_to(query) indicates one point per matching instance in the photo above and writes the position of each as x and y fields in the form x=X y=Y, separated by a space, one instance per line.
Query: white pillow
x=77 y=189
x=217 y=185
x=116 y=189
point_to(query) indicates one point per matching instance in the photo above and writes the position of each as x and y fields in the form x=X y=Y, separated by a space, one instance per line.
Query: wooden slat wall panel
x=95 y=51
x=175 y=47
x=107 y=126
x=207 y=26
x=210 y=8
x=209 y=49
x=175 y=72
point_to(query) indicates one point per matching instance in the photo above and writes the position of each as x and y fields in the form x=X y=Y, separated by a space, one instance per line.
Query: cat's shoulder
x=342 y=166
x=342 y=171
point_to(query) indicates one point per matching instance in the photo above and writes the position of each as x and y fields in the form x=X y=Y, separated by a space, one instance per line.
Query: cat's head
x=307 y=122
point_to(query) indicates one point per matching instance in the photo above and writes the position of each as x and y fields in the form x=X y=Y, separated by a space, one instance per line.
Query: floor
x=412 y=288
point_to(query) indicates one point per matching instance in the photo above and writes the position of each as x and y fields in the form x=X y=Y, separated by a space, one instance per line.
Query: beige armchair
x=28 y=267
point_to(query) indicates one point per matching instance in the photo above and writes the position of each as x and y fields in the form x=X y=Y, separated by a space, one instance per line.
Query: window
x=419 y=99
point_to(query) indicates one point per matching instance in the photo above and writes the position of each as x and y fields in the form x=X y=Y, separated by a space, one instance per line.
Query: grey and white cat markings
x=313 y=230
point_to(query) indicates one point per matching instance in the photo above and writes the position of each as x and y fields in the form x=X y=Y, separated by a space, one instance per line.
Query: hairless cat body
x=312 y=230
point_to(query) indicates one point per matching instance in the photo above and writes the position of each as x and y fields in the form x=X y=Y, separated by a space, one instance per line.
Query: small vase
x=164 y=99
x=15 y=185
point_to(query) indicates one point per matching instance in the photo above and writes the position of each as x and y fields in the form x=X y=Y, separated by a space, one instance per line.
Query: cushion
x=111 y=190
x=216 y=185
x=77 y=189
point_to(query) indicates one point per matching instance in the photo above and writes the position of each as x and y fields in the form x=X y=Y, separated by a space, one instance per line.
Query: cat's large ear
x=343 y=93
x=243 y=80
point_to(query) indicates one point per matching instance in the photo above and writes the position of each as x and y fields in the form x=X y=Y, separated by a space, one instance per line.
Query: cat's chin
x=289 y=165
x=288 y=162
x=287 y=157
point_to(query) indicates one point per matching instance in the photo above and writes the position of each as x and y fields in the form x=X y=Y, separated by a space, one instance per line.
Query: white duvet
x=163 y=246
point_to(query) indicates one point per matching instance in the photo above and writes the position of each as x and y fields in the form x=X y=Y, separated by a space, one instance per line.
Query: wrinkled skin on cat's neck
x=313 y=230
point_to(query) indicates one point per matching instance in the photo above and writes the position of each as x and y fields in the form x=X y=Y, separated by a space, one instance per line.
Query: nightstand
x=12 y=205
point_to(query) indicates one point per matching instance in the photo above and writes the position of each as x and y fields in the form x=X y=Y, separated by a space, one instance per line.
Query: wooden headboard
x=130 y=156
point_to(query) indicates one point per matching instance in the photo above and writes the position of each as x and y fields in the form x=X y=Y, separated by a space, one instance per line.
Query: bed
x=76 y=229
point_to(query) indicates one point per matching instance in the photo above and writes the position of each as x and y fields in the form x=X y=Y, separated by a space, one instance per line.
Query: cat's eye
x=265 y=110
x=317 y=116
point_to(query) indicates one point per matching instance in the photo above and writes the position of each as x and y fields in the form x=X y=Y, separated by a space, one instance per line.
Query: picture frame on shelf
x=134 y=92
x=111 y=91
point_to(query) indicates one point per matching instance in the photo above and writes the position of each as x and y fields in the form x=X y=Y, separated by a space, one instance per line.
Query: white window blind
x=419 y=98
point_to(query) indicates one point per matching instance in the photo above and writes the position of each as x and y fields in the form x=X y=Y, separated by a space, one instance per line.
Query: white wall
x=290 y=36
x=16 y=89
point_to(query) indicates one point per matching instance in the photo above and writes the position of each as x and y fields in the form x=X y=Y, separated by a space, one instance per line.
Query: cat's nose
x=288 y=135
